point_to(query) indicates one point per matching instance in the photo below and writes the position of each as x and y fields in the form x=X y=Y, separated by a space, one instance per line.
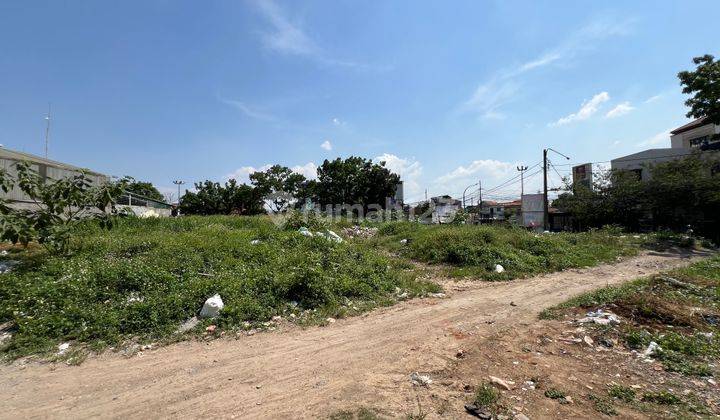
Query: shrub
x=622 y=393
x=486 y=395
x=662 y=397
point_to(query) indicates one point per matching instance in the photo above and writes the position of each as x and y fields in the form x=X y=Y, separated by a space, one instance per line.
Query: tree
x=144 y=189
x=58 y=206
x=278 y=185
x=355 y=181
x=213 y=198
x=687 y=192
x=704 y=84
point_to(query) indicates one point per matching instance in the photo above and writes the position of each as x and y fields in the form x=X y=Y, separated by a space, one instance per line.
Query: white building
x=696 y=135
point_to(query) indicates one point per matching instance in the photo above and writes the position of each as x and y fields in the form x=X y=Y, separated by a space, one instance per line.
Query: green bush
x=486 y=395
x=148 y=276
x=520 y=252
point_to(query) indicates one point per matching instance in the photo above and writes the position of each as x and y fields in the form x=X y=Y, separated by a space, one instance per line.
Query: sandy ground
x=310 y=373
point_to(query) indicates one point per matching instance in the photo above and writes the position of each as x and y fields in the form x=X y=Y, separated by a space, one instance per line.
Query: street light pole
x=546 y=221
x=179 y=183
x=468 y=187
x=522 y=170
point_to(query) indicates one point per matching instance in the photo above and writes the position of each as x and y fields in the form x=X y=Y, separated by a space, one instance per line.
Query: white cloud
x=653 y=98
x=242 y=174
x=544 y=60
x=619 y=110
x=409 y=170
x=249 y=110
x=587 y=110
x=502 y=88
x=287 y=37
x=326 y=145
x=487 y=167
x=662 y=137
x=309 y=170
x=338 y=122
x=489 y=97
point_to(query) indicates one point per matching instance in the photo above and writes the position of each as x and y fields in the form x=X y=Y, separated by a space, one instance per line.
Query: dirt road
x=361 y=361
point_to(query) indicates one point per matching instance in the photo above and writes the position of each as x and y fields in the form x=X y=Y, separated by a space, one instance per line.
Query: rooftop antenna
x=47 y=131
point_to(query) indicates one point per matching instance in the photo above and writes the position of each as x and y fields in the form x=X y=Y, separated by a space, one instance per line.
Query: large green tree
x=142 y=188
x=232 y=198
x=355 y=181
x=277 y=184
x=704 y=84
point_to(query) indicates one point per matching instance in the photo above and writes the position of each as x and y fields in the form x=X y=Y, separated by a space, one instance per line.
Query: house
x=696 y=135
x=499 y=211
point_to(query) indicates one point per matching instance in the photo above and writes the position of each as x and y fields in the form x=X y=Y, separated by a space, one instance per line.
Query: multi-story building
x=696 y=135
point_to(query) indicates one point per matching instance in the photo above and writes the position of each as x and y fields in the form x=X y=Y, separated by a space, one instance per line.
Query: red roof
x=689 y=126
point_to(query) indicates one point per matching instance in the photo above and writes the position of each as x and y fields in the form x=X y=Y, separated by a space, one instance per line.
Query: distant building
x=48 y=169
x=684 y=140
x=696 y=134
x=444 y=208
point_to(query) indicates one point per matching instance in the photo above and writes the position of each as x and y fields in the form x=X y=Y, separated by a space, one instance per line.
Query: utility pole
x=480 y=198
x=546 y=220
x=522 y=170
x=426 y=194
x=47 y=131
x=179 y=183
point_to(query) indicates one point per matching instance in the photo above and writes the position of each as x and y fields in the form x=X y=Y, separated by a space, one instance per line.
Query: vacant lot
x=141 y=281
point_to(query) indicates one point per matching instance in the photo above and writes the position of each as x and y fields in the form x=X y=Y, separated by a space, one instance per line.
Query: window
x=699 y=141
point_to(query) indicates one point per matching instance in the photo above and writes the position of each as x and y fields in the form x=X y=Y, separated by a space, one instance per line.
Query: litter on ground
x=600 y=317
x=212 y=307
x=420 y=380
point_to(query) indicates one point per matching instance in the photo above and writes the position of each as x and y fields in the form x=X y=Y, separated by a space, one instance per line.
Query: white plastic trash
x=332 y=236
x=305 y=232
x=403 y=241
x=255 y=242
x=212 y=307
x=499 y=268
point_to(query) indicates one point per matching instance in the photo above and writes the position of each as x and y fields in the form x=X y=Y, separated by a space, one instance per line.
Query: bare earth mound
x=292 y=373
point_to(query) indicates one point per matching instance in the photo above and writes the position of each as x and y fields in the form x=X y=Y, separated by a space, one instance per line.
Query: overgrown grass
x=475 y=250
x=144 y=278
x=678 y=310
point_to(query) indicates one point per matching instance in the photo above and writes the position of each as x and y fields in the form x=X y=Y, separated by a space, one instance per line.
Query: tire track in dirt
x=295 y=373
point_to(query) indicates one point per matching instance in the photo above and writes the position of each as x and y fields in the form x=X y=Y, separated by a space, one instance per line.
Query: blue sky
x=446 y=92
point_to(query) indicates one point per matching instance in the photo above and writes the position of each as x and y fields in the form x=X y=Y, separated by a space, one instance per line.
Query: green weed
x=622 y=393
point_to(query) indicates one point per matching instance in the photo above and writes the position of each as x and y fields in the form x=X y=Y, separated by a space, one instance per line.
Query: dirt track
x=297 y=373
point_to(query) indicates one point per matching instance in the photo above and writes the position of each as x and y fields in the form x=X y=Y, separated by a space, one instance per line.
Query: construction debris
x=600 y=317
x=212 y=307
x=360 y=232
x=420 y=380
x=651 y=349
x=330 y=236
x=507 y=385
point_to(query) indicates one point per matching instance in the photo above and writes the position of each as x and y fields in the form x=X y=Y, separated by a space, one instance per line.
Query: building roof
x=514 y=203
x=654 y=154
x=689 y=126
x=6 y=153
